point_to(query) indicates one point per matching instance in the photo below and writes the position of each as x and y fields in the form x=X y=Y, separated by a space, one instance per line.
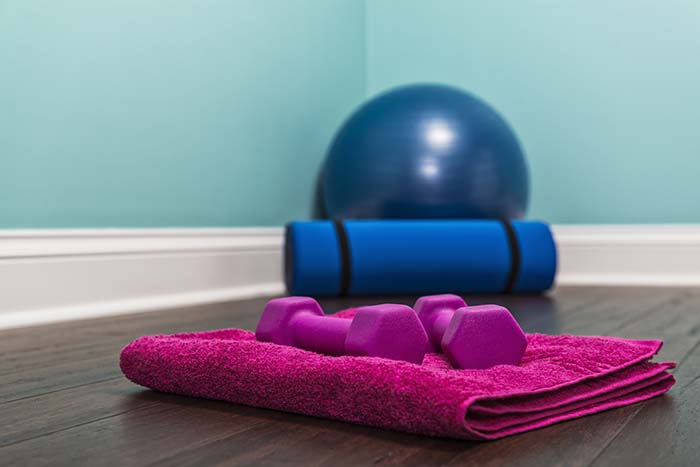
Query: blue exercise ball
x=425 y=151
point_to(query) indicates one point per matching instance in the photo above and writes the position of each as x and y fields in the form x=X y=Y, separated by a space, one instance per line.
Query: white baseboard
x=135 y=305
x=57 y=275
x=635 y=255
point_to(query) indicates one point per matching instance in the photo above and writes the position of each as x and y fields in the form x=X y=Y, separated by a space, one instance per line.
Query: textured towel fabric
x=559 y=378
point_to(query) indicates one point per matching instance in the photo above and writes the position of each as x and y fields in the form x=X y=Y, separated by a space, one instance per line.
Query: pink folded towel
x=559 y=378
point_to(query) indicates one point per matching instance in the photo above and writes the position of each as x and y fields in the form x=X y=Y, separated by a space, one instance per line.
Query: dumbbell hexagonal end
x=429 y=309
x=483 y=336
x=274 y=323
x=387 y=331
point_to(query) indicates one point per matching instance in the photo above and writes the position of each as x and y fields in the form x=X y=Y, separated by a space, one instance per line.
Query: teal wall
x=142 y=113
x=605 y=96
x=156 y=113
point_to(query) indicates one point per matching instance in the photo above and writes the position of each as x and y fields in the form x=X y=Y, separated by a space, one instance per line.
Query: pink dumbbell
x=386 y=331
x=475 y=337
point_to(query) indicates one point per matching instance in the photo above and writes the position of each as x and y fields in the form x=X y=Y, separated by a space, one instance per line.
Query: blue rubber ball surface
x=425 y=151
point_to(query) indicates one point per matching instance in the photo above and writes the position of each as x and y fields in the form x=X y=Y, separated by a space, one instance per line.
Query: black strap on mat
x=514 y=246
x=344 y=250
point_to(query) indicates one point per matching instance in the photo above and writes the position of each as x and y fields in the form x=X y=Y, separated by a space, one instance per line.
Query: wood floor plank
x=73 y=354
x=21 y=385
x=149 y=427
x=666 y=430
x=606 y=316
x=34 y=417
x=203 y=432
x=60 y=335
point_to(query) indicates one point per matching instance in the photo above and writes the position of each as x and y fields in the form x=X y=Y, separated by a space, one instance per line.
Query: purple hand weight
x=386 y=331
x=475 y=337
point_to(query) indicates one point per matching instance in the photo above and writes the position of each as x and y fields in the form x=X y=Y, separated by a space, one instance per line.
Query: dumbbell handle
x=321 y=334
x=439 y=326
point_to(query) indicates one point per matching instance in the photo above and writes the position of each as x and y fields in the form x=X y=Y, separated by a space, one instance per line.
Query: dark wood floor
x=63 y=400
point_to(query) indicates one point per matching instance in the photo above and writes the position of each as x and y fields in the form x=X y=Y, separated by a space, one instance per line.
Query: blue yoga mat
x=388 y=257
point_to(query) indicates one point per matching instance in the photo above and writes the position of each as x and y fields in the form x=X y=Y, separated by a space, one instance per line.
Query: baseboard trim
x=136 y=305
x=630 y=255
x=18 y=244
x=59 y=275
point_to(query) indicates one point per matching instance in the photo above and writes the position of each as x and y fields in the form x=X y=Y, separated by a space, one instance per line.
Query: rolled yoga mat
x=387 y=257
